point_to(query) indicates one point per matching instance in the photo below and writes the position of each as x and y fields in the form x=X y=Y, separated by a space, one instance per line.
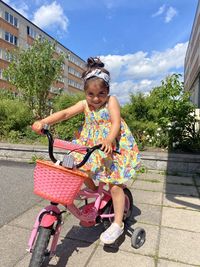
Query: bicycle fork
x=49 y=217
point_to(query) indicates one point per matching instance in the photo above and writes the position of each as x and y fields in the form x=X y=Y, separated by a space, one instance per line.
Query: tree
x=32 y=71
x=67 y=129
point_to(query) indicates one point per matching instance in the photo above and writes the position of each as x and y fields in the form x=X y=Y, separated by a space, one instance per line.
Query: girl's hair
x=94 y=63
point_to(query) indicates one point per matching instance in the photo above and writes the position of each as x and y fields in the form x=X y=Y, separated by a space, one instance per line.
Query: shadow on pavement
x=79 y=237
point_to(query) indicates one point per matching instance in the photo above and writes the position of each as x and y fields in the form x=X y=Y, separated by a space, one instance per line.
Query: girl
x=103 y=125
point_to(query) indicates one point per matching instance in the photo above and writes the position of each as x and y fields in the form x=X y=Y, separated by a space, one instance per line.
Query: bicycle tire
x=130 y=197
x=109 y=209
x=38 y=255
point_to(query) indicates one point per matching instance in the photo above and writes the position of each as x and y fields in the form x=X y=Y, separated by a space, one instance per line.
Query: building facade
x=17 y=31
x=192 y=61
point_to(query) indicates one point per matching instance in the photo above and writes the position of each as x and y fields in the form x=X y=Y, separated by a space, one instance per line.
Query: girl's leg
x=118 y=199
x=90 y=184
x=117 y=227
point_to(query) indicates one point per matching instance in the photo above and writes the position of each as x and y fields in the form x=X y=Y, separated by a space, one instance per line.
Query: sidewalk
x=167 y=207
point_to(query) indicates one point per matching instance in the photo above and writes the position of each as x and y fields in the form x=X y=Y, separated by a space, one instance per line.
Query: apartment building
x=17 y=31
x=192 y=61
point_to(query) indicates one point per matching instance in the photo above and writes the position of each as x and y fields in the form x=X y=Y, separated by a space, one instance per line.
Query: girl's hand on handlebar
x=106 y=146
x=37 y=127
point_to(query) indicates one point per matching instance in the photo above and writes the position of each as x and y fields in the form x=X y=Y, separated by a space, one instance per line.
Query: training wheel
x=138 y=237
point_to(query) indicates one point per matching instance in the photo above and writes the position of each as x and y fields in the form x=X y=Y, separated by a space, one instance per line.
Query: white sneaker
x=112 y=233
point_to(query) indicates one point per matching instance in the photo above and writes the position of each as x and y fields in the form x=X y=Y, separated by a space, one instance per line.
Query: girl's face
x=96 y=95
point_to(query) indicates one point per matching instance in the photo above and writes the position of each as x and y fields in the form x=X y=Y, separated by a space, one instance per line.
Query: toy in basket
x=62 y=185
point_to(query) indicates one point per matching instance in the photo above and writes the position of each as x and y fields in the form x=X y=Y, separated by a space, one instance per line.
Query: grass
x=34 y=158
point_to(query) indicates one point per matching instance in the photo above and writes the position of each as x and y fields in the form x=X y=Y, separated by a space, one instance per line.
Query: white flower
x=159 y=129
x=158 y=134
x=144 y=131
x=174 y=122
x=169 y=124
x=150 y=140
x=148 y=136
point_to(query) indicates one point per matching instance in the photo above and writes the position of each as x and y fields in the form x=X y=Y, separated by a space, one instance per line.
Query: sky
x=140 y=41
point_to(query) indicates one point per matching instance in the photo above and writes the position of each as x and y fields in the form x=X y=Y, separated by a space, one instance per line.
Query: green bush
x=15 y=115
x=164 y=118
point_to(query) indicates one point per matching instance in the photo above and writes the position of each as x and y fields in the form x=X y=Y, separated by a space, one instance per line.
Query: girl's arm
x=62 y=115
x=114 y=110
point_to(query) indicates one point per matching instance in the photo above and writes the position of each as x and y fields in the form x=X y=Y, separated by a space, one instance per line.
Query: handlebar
x=89 y=150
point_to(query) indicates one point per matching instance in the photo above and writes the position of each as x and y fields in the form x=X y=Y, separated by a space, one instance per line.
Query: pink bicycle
x=61 y=182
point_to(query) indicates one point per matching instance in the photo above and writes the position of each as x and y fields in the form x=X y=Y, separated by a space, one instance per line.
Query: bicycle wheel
x=40 y=255
x=107 y=210
x=127 y=209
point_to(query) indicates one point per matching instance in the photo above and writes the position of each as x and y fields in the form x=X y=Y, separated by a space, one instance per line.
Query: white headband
x=98 y=73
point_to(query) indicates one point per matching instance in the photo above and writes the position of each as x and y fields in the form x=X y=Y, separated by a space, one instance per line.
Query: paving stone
x=147 y=213
x=69 y=253
x=13 y=244
x=27 y=219
x=180 y=189
x=148 y=197
x=176 y=166
x=152 y=164
x=152 y=180
x=179 y=245
x=181 y=219
x=186 y=202
x=148 y=185
x=148 y=248
x=165 y=263
x=179 y=179
x=102 y=257
x=72 y=229
x=130 y=182
x=197 y=181
x=151 y=176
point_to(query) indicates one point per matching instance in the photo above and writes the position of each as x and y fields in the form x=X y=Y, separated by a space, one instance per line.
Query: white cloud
x=123 y=89
x=51 y=15
x=160 y=11
x=21 y=7
x=168 y=13
x=171 y=12
x=141 y=71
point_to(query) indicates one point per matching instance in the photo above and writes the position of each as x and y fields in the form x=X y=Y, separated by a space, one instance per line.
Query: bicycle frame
x=88 y=217
x=51 y=216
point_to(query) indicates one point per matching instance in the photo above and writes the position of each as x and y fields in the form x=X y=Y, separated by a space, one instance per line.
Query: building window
x=11 y=38
x=31 y=32
x=74 y=72
x=59 y=50
x=11 y=19
x=75 y=84
x=75 y=60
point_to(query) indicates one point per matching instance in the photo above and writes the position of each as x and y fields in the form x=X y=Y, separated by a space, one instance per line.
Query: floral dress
x=115 y=168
